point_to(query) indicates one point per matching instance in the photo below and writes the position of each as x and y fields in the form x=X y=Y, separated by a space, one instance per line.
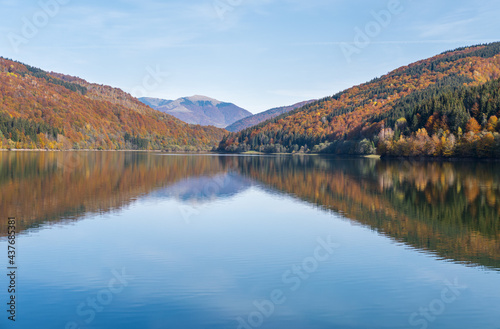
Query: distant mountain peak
x=201 y=98
x=199 y=109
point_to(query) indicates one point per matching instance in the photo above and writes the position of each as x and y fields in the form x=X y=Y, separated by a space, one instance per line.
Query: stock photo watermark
x=11 y=268
x=87 y=310
x=429 y=313
x=293 y=278
x=208 y=190
x=363 y=37
x=153 y=79
x=48 y=9
x=222 y=7
x=71 y=161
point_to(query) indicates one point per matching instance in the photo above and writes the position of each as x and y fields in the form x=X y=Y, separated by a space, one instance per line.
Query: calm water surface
x=137 y=240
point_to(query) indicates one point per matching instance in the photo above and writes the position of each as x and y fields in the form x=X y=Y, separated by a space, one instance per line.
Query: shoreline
x=345 y=156
x=371 y=156
x=90 y=150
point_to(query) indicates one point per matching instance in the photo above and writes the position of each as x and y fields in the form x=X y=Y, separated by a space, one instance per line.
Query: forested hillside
x=447 y=105
x=42 y=110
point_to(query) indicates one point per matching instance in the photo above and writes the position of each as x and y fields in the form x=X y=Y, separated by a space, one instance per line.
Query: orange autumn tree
x=473 y=126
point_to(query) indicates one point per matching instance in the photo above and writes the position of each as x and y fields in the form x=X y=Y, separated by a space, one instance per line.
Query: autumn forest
x=41 y=110
x=445 y=106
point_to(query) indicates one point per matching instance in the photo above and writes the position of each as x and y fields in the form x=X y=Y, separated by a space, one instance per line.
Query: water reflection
x=204 y=189
x=451 y=209
x=41 y=187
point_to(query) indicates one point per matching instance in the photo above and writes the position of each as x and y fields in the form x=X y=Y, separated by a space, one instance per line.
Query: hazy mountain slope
x=155 y=102
x=353 y=121
x=263 y=116
x=49 y=110
x=199 y=110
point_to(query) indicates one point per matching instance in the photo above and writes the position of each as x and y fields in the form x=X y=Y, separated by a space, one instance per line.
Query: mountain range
x=199 y=110
x=447 y=105
x=207 y=111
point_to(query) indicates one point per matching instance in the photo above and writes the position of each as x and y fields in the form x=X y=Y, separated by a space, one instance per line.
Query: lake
x=146 y=240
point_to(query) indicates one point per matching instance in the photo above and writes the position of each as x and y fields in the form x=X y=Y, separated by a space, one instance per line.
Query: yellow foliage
x=492 y=124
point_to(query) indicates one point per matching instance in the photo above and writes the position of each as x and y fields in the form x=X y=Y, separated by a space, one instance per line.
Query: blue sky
x=257 y=54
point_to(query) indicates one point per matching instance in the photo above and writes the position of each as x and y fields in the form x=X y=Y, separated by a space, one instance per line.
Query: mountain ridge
x=358 y=119
x=47 y=110
x=263 y=116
